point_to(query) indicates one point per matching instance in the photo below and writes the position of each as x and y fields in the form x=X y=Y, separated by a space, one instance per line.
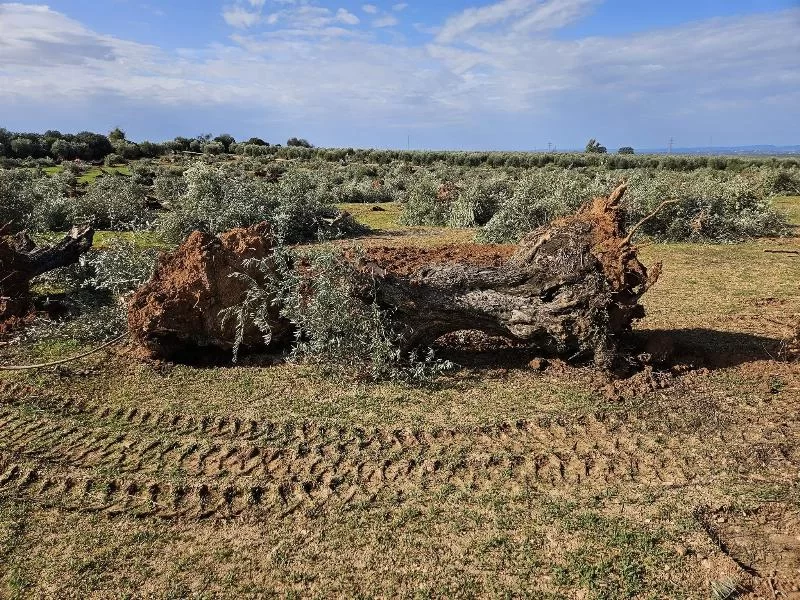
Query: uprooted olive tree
x=571 y=289
x=21 y=260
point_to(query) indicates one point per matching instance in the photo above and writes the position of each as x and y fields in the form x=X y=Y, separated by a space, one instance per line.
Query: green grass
x=387 y=219
x=93 y=173
x=142 y=240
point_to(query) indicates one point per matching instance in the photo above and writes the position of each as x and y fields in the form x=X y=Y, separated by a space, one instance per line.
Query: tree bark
x=21 y=261
x=571 y=289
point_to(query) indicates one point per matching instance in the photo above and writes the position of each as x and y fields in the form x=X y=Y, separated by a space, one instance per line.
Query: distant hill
x=757 y=149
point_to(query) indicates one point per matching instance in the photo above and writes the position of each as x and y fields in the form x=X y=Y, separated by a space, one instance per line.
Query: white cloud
x=347 y=17
x=400 y=6
x=527 y=15
x=370 y=9
x=385 y=21
x=238 y=16
x=308 y=63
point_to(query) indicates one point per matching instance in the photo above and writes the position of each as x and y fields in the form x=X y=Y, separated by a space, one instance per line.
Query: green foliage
x=479 y=201
x=340 y=332
x=299 y=142
x=538 y=198
x=119 y=268
x=625 y=150
x=594 y=147
x=213 y=148
x=216 y=201
x=114 y=159
x=113 y=202
x=17 y=199
x=711 y=206
x=782 y=181
x=116 y=135
x=423 y=204
x=52 y=210
x=168 y=189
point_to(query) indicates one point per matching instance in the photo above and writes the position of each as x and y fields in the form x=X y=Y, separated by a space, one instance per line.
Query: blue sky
x=466 y=74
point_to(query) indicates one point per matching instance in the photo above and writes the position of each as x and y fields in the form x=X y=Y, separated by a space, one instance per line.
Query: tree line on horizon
x=115 y=148
x=90 y=146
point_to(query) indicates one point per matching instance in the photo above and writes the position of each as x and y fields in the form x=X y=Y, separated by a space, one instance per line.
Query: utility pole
x=408 y=147
x=671 y=140
x=549 y=146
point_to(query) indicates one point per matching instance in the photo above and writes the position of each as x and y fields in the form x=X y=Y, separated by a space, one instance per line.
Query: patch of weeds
x=13 y=521
x=613 y=558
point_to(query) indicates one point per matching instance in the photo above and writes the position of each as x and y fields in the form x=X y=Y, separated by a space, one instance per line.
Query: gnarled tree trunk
x=571 y=289
x=21 y=261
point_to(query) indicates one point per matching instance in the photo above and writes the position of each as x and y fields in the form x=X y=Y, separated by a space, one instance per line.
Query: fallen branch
x=627 y=239
x=782 y=251
x=64 y=360
x=21 y=260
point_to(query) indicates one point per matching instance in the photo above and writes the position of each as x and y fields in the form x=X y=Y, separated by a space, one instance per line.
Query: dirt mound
x=178 y=310
x=408 y=260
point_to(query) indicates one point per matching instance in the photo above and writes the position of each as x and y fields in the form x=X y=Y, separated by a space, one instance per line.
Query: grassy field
x=93 y=173
x=127 y=478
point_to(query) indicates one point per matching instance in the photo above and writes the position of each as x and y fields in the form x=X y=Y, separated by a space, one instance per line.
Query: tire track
x=79 y=457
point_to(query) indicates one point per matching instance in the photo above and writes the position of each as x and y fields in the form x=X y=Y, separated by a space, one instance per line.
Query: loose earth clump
x=178 y=310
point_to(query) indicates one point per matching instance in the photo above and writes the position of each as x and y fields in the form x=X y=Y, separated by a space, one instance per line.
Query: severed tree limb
x=21 y=261
x=627 y=239
x=54 y=363
x=65 y=252
x=770 y=251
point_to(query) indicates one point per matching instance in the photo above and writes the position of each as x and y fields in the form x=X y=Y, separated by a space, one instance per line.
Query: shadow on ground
x=663 y=348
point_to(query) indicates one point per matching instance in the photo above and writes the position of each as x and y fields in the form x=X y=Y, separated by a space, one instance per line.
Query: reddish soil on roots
x=408 y=260
x=180 y=306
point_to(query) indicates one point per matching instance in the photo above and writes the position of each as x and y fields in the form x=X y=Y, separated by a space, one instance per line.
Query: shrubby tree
x=116 y=135
x=113 y=159
x=226 y=140
x=256 y=142
x=113 y=202
x=594 y=147
x=97 y=146
x=149 y=149
x=64 y=150
x=625 y=150
x=23 y=147
x=299 y=143
x=213 y=148
x=128 y=150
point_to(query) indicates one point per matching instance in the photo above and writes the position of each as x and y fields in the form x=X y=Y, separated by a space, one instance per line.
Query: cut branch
x=635 y=228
